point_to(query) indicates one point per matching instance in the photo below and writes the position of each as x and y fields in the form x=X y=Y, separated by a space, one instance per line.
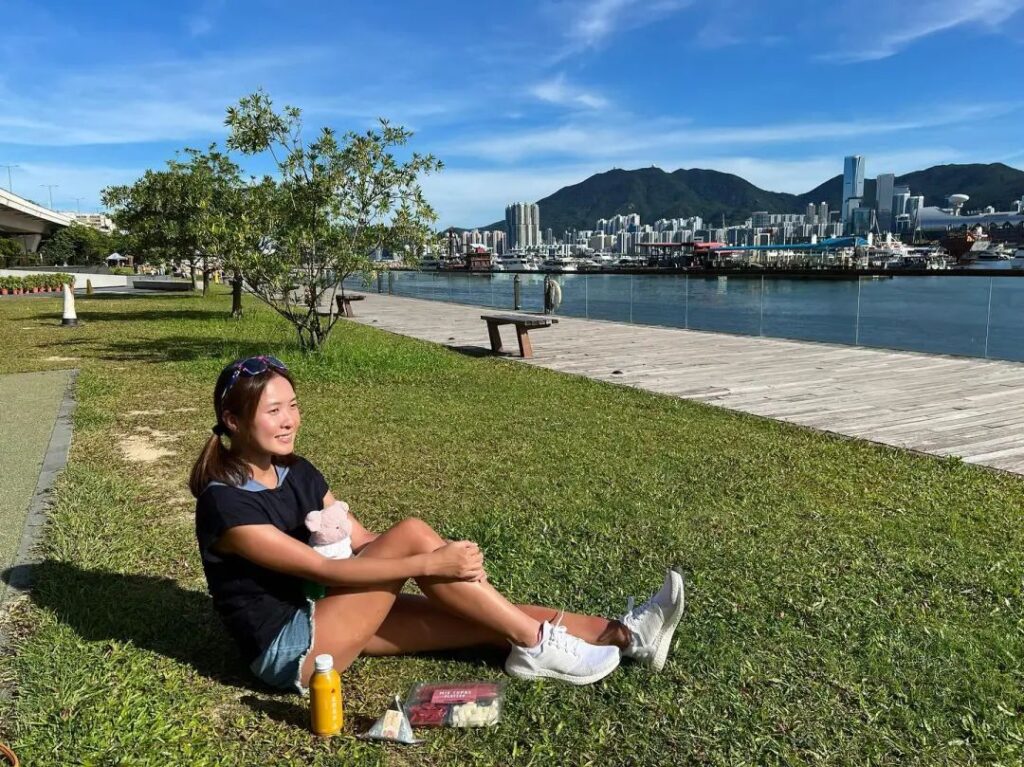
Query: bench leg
x=495 y=336
x=348 y=309
x=525 y=349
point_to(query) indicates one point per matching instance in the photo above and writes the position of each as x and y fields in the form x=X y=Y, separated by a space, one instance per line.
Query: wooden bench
x=345 y=304
x=523 y=323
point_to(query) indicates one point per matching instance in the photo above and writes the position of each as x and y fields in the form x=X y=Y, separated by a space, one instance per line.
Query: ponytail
x=218 y=463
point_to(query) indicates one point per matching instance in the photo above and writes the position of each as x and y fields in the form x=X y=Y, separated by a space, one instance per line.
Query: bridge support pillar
x=30 y=242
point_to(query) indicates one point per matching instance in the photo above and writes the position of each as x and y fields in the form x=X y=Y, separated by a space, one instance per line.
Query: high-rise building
x=812 y=213
x=823 y=212
x=884 y=185
x=522 y=219
x=900 y=200
x=853 y=181
x=760 y=219
x=862 y=220
x=914 y=205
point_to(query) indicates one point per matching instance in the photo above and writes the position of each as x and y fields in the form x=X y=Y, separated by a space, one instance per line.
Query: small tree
x=78 y=244
x=333 y=204
x=10 y=250
x=159 y=212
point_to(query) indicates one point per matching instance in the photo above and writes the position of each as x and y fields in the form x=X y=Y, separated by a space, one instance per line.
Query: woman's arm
x=268 y=547
x=360 y=535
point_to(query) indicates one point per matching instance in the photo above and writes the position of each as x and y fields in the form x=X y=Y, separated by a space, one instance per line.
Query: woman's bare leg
x=347 y=619
x=479 y=602
x=416 y=624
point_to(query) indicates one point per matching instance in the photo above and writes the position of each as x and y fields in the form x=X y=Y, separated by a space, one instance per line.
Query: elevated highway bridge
x=27 y=221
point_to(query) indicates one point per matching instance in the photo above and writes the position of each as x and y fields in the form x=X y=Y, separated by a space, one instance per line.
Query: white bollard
x=70 y=318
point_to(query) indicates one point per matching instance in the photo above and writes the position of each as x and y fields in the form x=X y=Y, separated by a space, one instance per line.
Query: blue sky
x=519 y=98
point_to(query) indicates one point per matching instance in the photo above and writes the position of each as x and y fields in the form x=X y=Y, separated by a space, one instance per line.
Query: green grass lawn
x=848 y=603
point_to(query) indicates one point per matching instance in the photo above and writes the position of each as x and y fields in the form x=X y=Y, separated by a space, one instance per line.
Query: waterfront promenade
x=942 y=405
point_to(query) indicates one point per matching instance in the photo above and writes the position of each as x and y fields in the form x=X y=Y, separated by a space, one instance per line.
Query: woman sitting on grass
x=252 y=500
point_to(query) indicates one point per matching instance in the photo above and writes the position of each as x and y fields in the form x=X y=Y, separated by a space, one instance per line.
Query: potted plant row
x=34 y=283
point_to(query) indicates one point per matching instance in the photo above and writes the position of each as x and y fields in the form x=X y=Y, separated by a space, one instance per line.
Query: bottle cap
x=323 y=662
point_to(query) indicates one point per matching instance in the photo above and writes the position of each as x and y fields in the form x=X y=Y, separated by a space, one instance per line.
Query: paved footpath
x=30 y=405
x=942 y=405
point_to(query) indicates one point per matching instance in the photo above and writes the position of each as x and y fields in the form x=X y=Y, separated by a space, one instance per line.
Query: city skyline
x=518 y=108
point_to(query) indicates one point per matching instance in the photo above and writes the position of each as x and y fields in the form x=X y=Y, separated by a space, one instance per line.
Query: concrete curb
x=19 y=577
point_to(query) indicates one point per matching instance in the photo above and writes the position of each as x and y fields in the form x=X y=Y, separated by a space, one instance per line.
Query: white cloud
x=797 y=176
x=201 y=22
x=199 y=25
x=558 y=91
x=636 y=137
x=887 y=28
x=591 y=22
x=73 y=181
x=157 y=101
x=475 y=197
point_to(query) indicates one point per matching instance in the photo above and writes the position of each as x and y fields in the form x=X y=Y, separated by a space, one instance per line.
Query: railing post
x=380 y=282
x=632 y=279
x=586 y=296
x=686 y=301
x=760 y=322
x=391 y=283
x=988 y=320
x=856 y=327
x=516 y=303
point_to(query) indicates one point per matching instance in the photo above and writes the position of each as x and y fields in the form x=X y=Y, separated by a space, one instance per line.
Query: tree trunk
x=236 y=296
x=206 y=275
x=192 y=273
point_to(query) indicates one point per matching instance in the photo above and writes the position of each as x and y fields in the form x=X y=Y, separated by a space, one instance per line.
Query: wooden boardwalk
x=942 y=405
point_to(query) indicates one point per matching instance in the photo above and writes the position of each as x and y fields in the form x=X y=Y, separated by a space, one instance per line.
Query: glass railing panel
x=659 y=299
x=607 y=297
x=1006 y=319
x=810 y=310
x=725 y=304
x=939 y=315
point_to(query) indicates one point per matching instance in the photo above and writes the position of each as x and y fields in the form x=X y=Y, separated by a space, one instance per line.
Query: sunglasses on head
x=253 y=366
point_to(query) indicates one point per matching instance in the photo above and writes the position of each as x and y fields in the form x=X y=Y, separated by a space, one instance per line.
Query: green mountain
x=654 y=194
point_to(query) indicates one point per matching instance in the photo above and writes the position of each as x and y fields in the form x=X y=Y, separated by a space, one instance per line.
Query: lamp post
x=50 y=187
x=10 y=188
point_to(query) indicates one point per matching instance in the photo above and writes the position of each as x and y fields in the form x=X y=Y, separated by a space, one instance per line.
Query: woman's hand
x=460 y=560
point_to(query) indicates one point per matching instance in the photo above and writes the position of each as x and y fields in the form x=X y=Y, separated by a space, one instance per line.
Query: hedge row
x=35 y=283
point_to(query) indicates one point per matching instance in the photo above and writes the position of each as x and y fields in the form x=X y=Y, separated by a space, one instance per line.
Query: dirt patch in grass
x=145 y=446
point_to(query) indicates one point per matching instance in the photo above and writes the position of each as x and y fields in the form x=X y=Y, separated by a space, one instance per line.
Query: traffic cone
x=70 y=318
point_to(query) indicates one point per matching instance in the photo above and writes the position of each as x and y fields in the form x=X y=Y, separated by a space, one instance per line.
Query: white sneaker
x=654 y=622
x=560 y=655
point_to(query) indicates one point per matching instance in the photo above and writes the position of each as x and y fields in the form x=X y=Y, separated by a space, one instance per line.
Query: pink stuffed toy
x=331 y=531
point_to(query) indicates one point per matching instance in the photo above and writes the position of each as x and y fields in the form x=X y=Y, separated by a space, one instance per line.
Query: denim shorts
x=280 y=665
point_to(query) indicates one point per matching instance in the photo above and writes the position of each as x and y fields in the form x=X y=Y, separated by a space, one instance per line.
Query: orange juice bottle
x=326 y=713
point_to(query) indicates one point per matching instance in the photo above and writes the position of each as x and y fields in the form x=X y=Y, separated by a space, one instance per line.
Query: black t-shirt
x=254 y=602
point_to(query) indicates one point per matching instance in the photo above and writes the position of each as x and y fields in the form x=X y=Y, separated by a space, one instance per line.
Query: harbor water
x=964 y=315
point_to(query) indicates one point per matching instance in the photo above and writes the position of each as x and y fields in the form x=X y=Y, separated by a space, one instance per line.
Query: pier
x=936 y=404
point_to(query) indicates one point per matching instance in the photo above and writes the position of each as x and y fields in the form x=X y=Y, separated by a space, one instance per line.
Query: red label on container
x=454 y=695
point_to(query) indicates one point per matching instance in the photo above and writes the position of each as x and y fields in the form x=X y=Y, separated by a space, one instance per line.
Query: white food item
x=474 y=715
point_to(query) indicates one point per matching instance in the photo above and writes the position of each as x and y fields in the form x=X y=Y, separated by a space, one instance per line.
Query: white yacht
x=558 y=265
x=517 y=264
